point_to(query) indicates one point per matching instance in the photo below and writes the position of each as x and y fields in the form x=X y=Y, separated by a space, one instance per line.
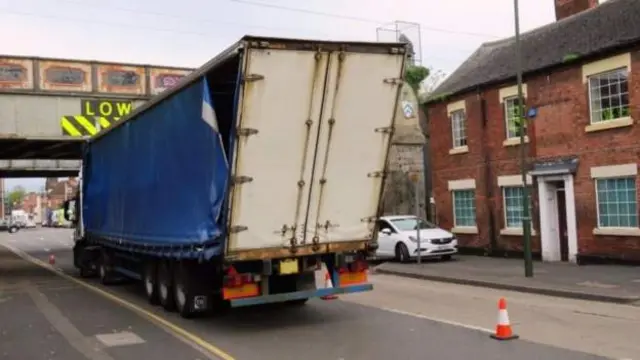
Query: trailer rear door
x=282 y=101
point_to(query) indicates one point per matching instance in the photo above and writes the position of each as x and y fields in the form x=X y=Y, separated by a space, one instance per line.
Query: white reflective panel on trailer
x=284 y=107
x=360 y=104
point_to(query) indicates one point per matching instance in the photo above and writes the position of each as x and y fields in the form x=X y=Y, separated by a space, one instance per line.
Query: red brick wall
x=558 y=130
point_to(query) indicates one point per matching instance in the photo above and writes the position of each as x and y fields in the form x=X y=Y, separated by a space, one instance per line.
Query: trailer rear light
x=236 y=285
x=358 y=266
x=235 y=279
x=354 y=273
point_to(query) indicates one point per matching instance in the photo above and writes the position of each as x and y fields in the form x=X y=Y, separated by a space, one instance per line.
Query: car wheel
x=13 y=229
x=402 y=253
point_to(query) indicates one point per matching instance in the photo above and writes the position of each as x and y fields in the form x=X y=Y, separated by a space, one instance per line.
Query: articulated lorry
x=257 y=179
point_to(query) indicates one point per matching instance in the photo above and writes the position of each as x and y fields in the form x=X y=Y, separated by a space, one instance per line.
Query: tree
x=16 y=195
x=414 y=75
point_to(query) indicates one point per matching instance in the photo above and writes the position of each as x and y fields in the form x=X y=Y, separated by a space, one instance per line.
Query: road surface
x=400 y=319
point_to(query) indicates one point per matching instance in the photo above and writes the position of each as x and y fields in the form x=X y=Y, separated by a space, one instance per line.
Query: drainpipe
x=426 y=164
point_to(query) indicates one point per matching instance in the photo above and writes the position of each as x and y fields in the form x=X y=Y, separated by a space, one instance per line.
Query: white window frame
x=514 y=181
x=593 y=121
x=463 y=184
x=603 y=66
x=457 y=141
x=506 y=117
x=595 y=183
x=508 y=93
x=452 y=108
x=475 y=212
x=613 y=172
x=504 y=206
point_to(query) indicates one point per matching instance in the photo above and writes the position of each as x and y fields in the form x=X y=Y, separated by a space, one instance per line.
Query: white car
x=397 y=237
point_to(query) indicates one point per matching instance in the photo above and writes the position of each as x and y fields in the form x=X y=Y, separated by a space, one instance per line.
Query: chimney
x=567 y=8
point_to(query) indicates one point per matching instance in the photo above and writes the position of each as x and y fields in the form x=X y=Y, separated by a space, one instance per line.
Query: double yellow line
x=177 y=330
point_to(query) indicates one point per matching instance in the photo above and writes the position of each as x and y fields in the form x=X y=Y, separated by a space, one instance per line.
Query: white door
x=284 y=107
x=385 y=242
x=360 y=101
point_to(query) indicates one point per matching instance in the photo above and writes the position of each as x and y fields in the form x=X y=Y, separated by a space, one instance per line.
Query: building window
x=464 y=208
x=513 y=117
x=617 y=202
x=609 y=95
x=513 y=206
x=458 y=129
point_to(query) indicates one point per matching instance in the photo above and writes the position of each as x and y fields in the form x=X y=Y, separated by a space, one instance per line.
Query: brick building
x=57 y=191
x=582 y=99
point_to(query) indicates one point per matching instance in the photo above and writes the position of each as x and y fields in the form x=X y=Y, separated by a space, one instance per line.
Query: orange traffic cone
x=328 y=284
x=503 y=329
x=52 y=259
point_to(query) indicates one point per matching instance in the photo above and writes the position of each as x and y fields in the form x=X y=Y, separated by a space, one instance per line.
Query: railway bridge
x=49 y=107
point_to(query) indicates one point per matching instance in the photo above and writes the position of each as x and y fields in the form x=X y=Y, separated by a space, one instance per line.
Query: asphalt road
x=348 y=330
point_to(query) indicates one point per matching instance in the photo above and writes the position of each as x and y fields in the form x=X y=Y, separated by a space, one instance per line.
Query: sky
x=187 y=33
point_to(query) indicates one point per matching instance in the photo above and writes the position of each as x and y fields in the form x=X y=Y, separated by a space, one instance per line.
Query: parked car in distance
x=398 y=238
x=8 y=225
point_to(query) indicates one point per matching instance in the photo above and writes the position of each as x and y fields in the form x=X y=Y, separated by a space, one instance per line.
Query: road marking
x=177 y=330
x=64 y=326
x=444 y=321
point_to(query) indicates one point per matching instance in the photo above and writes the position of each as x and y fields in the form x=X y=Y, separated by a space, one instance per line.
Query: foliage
x=16 y=195
x=414 y=75
x=570 y=57
x=517 y=120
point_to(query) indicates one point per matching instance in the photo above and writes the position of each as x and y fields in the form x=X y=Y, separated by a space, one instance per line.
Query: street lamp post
x=526 y=216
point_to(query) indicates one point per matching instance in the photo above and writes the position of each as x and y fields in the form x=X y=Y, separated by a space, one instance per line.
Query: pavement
x=607 y=283
x=49 y=315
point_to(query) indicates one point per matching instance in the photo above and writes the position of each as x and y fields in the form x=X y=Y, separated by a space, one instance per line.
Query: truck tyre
x=184 y=291
x=150 y=281
x=86 y=272
x=105 y=269
x=165 y=286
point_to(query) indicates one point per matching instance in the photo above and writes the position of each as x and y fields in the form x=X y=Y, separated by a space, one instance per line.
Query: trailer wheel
x=185 y=289
x=105 y=269
x=150 y=280
x=86 y=272
x=165 y=286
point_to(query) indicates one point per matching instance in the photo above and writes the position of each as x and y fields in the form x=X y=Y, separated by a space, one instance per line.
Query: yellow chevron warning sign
x=95 y=115
x=80 y=125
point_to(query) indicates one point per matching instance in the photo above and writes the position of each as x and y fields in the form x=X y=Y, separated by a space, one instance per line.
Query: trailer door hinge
x=386 y=130
x=393 y=81
x=237 y=180
x=237 y=228
x=252 y=77
x=246 y=131
x=376 y=174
